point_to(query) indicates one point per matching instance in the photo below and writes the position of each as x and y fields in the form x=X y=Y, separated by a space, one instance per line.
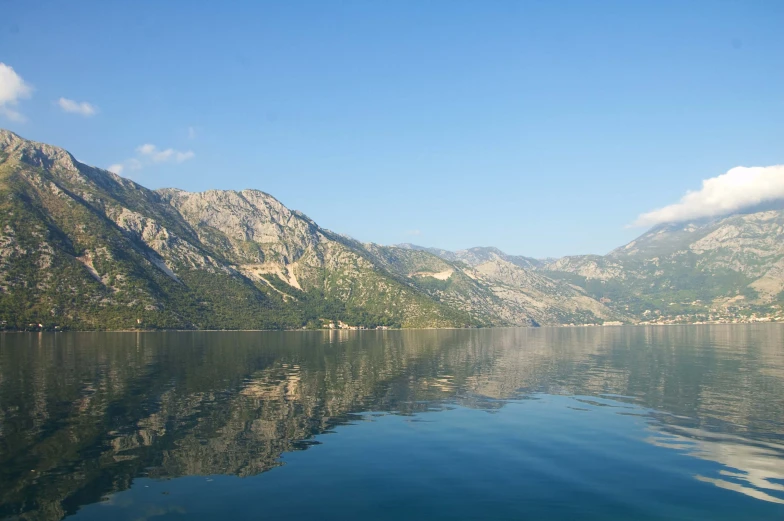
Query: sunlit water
x=552 y=424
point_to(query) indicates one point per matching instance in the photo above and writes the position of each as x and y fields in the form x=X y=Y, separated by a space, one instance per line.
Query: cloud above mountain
x=163 y=156
x=116 y=168
x=741 y=187
x=77 y=107
x=12 y=89
x=149 y=154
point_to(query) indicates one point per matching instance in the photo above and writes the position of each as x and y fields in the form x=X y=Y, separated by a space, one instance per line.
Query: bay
x=680 y=422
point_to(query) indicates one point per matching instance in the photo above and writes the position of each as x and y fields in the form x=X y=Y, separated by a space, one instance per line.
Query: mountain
x=478 y=255
x=81 y=247
x=727 y=268
x=700 y=270
x=497 y=290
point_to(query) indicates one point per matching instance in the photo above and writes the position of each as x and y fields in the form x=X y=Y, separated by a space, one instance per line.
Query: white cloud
x=184 y=156
x=116 y=168
x=148 y=154
x=413 y=232
x=739 y=188
x=78 y=107
x=12 y=89
x=146 y=149
x=163 y=156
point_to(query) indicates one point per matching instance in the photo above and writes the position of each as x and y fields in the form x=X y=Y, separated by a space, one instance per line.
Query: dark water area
x=643 y=423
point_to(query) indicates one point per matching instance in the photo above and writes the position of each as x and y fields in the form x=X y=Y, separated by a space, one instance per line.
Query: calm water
x=552 y=424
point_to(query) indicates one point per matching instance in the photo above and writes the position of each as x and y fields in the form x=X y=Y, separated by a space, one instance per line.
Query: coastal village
x=716 y=317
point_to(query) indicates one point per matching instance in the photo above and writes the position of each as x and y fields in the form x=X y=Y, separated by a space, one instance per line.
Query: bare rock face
x=544 y=300
x=240 y=222
x=588 y=266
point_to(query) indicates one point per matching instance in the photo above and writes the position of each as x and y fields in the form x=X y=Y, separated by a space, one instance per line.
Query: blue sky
x=543 y=128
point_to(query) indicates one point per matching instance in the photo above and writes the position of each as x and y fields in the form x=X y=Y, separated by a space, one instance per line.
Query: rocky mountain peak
x=235 y=219
x=36 y=154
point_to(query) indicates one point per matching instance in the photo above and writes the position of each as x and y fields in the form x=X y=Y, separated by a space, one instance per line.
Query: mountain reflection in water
x=84 y=414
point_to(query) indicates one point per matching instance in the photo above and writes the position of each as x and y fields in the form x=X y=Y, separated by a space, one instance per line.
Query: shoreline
x=558 y=326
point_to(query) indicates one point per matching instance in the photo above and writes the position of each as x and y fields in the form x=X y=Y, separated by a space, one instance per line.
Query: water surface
x=553 y=424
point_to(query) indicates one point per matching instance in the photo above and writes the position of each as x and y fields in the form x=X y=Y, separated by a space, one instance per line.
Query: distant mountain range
x=480 y=255
x=83 y=248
